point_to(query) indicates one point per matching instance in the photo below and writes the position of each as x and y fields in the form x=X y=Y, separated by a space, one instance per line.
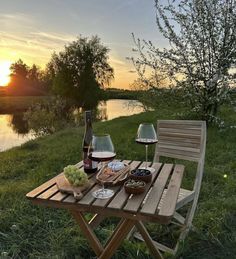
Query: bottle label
x=88 y=163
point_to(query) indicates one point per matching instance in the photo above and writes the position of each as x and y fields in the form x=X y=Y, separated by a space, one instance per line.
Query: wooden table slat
x=70 y=199
x=169 y=201
x=120 y=198
x=48 y=193
x=58 y=196
x=134 y=203
x=88 y=198
x=154 y=197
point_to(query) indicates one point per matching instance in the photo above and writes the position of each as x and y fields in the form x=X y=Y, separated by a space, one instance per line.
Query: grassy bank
x=28 y=231
x=13 y=104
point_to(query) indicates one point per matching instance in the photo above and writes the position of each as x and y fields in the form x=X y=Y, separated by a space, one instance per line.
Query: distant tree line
x=27 y=80
x=116 y=93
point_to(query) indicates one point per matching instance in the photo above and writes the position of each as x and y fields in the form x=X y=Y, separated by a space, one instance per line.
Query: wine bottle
x=89 y=165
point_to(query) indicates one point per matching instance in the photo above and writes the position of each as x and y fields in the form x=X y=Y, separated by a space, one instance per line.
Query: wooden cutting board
x=117 y=178
x=64 y=186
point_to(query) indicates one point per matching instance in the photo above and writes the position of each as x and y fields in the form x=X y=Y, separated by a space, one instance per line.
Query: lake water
x=14 y=131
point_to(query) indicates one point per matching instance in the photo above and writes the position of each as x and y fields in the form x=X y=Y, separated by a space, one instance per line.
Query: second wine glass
x=102 y=150
x=146 y=135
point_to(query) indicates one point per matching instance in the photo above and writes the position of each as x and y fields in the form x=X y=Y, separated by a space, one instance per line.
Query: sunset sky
x=32 y=30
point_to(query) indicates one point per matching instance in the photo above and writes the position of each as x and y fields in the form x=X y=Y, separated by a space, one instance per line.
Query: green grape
x=75 y=176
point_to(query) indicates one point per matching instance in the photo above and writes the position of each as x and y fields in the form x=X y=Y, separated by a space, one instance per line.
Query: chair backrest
x=182 y=139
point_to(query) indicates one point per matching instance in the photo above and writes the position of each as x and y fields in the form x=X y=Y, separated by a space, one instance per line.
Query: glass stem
x=103 y=187
x=146 y=147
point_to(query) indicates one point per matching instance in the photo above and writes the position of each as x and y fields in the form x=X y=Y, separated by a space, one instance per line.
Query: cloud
x=34 y=45
x=20 y=37
x=16 y=17
x=117 y=61
x=53 y=36
x=119 y=44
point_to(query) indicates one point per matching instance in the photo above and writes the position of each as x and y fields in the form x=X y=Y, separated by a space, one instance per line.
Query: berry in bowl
x=141 y=174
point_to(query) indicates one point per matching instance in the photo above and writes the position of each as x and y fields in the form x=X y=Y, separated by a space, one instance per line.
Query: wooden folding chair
x=185 y=140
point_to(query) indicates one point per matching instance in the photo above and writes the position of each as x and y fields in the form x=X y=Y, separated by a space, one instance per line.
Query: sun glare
x=4 y=73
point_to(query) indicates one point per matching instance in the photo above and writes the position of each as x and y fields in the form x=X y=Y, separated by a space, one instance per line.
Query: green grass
x=13 y=104
x=29 y=231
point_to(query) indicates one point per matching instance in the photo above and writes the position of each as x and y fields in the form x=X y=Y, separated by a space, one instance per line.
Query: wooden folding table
x=156 y=204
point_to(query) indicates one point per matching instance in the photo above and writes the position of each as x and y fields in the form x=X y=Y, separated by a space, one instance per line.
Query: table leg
x=88 y=232
x=148 y=240
x=116 y=239
x=121 y=231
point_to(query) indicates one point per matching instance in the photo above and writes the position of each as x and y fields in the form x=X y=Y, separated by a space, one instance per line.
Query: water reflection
x=115 y=108
x=18 y=124
x=14 y=130
x=9 y=136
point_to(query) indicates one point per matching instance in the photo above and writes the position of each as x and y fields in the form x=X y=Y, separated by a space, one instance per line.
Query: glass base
x=151 y=169
x=103 y=194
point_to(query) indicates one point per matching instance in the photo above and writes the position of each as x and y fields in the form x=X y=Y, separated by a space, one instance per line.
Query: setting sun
x=4 y=73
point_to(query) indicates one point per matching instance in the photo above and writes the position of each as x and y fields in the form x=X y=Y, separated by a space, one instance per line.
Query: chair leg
x=131 y=233
x=149 y=242
x=157 y=244
x=185 y=225
x=179 y=218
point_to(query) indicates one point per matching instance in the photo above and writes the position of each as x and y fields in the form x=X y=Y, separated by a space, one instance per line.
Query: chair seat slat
x=181 y=122
x=178 y=156
x=179 y=143
x=178 y=152
x=178 y=148
x=181 y=135
x=178 y=139
x=195 y=131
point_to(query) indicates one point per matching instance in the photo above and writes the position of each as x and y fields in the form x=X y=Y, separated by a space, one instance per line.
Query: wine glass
x=146 y=135
x=101 y=149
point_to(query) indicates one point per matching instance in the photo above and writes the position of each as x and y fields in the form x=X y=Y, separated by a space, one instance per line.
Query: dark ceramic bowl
x=134 y=190
x=141 y=175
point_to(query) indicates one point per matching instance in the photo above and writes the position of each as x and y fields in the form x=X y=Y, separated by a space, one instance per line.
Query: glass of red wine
x=101 y=149
x=146 y=135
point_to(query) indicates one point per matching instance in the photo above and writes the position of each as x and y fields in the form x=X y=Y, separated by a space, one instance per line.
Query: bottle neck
x=88 y=123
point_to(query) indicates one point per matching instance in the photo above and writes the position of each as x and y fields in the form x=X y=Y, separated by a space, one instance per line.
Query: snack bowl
x=141 y=175
x=134 y=187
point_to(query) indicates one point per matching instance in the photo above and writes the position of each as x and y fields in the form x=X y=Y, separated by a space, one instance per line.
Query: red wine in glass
x=102 y=156
x=146 y=141
x=102 y=150
x=146 y=135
